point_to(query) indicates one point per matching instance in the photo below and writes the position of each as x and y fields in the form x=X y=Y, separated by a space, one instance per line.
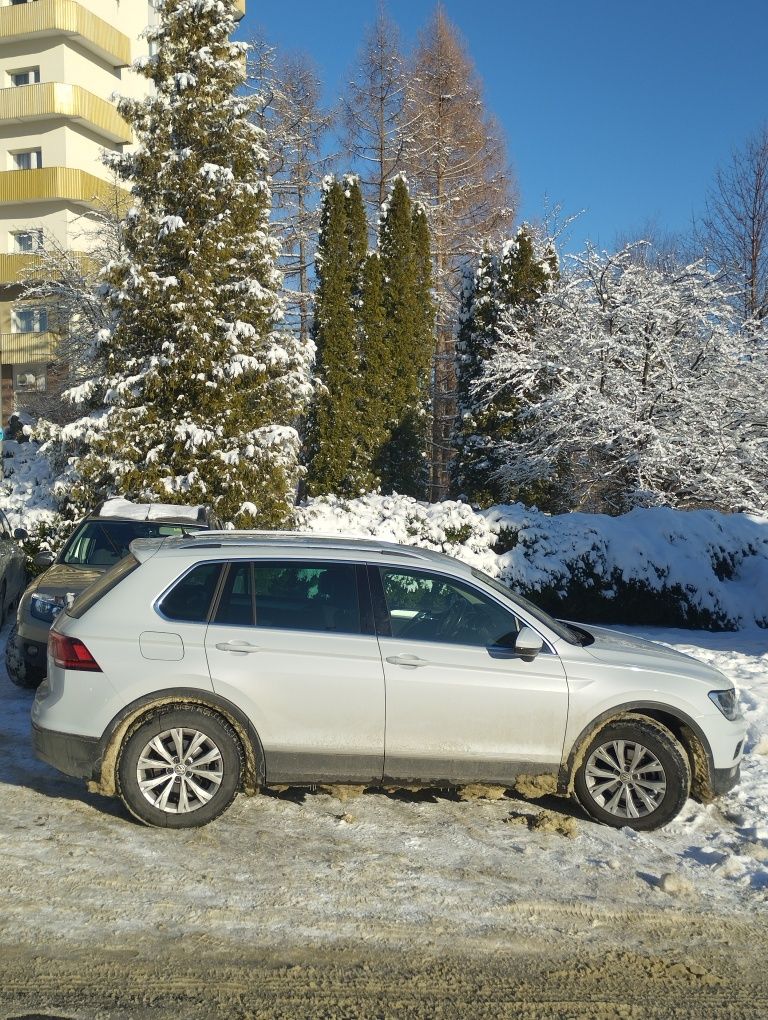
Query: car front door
x=461 y=704
x=293 y=643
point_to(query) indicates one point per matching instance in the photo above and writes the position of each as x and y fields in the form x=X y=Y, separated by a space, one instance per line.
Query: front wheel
x=180 y=768
x=634 y=773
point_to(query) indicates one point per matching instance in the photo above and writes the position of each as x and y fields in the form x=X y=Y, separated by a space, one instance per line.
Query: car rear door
x=292 y=642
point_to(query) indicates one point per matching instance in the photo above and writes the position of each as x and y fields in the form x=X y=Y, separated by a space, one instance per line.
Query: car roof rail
x=231 y=537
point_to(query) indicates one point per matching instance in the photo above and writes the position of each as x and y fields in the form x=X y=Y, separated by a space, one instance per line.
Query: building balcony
x=240 y=6
x=63 y=184
x=19 y=105
x=26 y=348
x=65 y=18
x=17 y=268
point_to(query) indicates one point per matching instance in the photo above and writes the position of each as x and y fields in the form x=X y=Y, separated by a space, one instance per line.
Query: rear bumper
x=69 y=753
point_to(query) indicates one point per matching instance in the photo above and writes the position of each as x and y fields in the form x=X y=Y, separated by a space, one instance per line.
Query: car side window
x=236 y=603
x=422 y=606
x=302 y=595
x=190 y=598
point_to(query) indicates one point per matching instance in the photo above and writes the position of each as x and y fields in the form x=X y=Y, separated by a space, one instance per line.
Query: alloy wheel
x=180 y=770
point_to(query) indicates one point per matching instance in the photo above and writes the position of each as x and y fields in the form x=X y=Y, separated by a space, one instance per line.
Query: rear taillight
x=69 y=653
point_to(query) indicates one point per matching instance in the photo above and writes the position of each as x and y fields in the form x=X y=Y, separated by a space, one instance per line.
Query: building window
x=27 y=242
x=29 y=320
x=29 y=77
x=29 y=378
x=32 y=159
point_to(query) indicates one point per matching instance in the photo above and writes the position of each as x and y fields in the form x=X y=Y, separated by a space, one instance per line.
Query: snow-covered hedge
x=659 y=566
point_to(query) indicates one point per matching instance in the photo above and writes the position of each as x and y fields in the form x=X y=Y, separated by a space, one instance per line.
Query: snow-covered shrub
x=657 y=566
x=632 y=385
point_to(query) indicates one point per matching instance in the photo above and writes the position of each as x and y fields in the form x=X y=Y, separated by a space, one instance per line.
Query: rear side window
x=189 y=600
x=96 y=591
x=291 y=595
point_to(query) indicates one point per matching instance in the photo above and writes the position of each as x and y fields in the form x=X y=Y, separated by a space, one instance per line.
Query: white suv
x=203 y=665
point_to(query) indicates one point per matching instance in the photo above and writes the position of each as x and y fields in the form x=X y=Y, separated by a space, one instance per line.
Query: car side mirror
x=528 y=644
x=43 y=558
x=20 y=534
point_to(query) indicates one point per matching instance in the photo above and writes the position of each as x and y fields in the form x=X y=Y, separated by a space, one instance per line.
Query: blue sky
x=621 y=109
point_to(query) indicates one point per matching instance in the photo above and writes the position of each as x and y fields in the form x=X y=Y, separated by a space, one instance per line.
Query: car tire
x=634 y=773
x=180 y=767
x=15 y=665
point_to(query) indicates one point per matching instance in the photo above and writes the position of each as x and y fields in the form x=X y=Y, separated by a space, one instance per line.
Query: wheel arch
x=104 y=772
x=682 y=726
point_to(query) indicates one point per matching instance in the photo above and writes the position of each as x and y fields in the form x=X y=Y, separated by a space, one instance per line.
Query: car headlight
x=46 y=607
x=727 y=702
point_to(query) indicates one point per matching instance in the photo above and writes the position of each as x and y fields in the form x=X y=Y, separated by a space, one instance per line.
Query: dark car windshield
x=561 y=629
x=102 y=543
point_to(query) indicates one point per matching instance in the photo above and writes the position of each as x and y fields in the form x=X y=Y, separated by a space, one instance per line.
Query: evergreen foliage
x=503 y=288
x=373 y=331
x=203 y=395
x=333 y=446
x=405 y=258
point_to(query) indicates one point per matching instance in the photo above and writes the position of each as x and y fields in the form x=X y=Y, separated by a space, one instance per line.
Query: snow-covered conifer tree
x=204 y=395
x=500 y=291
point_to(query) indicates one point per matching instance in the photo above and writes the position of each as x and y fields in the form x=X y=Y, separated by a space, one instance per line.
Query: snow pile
x=26 y=486
x=652 y=566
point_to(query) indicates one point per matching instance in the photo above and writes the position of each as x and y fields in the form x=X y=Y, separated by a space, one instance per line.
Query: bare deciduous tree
x=457 y=162
x=373 y=110
x=291 y=112
x=69 y=280
x=734 y=227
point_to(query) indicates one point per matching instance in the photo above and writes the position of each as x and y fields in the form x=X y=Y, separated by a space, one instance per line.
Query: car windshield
x=561 y=629
x=102 y=543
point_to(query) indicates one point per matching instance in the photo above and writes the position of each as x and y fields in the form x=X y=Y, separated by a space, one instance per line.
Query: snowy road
x=314 y=906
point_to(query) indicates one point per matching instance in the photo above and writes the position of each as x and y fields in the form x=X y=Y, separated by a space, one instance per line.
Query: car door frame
x=478 y=770
x=305 y=766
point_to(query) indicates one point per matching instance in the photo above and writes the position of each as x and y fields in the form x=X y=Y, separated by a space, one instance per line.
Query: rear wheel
x=634 y=773
x=180 y=768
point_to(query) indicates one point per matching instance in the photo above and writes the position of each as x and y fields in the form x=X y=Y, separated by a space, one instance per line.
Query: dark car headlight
x=727 y=702
x=46 y=607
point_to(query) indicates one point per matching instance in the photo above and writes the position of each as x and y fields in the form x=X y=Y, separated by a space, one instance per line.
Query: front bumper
x=26 y=659
x=70 y=753
x=724 y=780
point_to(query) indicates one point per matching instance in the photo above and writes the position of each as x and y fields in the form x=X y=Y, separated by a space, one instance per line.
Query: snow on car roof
x=128 y=511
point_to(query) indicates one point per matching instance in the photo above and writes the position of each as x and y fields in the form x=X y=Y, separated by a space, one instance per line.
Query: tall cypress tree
x=501 y=289
x=405 y=276
x=203 y=393
x=333 y=426
x=376 y=372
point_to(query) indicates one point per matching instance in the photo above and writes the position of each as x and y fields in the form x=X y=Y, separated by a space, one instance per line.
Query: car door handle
x=407 y=660
x=238 y=647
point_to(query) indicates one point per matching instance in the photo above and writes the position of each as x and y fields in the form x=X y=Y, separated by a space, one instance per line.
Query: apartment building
x=61 y=61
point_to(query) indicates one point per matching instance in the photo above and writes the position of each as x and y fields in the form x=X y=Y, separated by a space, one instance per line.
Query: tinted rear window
x=96 y=591
x=189 y=600
x=291 y=595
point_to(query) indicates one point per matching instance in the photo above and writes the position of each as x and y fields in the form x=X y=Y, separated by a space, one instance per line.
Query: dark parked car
x=98 y=542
